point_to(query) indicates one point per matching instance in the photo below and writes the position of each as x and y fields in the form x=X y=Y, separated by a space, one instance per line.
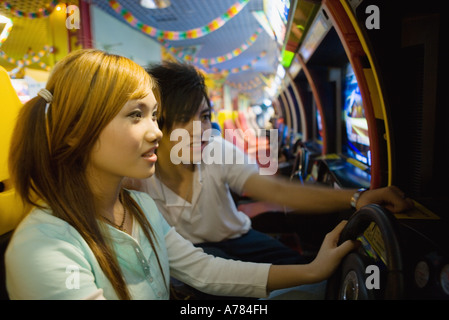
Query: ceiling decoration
x=24 y=41
x=247 y=85
x=238 y=69
x=227 y=39
x=42 y=12
x=211 y=61
x=221 y=37
x=28 y=59
x=215 y=24
x=4 y=34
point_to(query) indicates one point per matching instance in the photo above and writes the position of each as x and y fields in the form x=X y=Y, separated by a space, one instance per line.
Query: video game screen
x=356 y=144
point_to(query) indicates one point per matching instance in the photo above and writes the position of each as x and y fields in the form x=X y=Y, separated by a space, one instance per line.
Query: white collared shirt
x=212 y=215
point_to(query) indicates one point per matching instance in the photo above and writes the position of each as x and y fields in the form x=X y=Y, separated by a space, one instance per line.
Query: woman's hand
x=330 y=254
x=325 y=263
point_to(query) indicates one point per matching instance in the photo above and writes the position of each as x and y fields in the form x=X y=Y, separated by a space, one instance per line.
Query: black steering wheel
x=378 y=256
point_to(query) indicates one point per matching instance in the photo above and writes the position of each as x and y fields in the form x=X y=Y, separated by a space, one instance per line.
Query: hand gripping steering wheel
x=381 y=249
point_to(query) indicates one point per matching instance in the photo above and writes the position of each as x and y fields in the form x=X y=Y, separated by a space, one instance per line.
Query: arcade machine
x=374 y=71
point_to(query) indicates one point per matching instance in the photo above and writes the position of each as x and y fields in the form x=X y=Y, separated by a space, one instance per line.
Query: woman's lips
x=150 y=155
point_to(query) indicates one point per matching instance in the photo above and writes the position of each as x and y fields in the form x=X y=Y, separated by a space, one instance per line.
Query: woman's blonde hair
x=49 y=152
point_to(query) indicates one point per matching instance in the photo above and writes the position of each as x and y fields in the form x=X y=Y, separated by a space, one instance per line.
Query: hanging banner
x=234 y=53
x=28 y=59
x=246 y=86
x=236 y=70
x=40 y=13
x=182 y=54
x=215 y=24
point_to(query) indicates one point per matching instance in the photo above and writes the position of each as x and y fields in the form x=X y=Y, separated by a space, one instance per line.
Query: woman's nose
x=153 y=132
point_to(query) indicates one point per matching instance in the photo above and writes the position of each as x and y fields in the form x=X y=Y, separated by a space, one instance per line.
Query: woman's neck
x=110 y=205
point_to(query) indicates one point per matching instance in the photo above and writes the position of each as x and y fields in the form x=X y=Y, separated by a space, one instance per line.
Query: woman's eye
x=154 y=115
x=136 y=115
x=206 y=117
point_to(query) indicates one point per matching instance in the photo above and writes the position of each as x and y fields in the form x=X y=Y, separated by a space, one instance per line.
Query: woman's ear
x=72 y=141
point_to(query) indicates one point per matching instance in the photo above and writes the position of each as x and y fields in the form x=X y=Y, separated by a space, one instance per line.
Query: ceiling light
x=155 y=4
x=4 y=19
x=7 y=26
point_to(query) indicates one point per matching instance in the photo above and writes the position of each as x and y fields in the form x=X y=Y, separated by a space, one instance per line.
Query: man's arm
x=314 y=199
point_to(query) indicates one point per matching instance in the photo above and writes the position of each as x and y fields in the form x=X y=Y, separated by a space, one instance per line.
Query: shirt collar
x=172 y=199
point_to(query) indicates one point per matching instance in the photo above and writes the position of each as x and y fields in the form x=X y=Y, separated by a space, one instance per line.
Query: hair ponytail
x=49 y=152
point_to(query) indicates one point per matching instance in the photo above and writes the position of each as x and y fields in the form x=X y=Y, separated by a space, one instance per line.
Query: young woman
x=87 y=237
x=192 y=190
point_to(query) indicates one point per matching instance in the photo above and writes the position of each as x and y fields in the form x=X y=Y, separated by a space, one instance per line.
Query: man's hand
x=391 y=198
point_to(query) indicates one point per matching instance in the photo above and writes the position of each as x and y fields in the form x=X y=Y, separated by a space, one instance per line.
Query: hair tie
x=44 y=93
x=48 y=97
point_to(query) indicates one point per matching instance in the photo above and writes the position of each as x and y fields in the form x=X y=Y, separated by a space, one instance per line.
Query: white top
x=212 y=216
x=48 y=259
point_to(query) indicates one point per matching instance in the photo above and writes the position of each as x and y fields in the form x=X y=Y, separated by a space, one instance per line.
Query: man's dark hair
x=182 y=90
